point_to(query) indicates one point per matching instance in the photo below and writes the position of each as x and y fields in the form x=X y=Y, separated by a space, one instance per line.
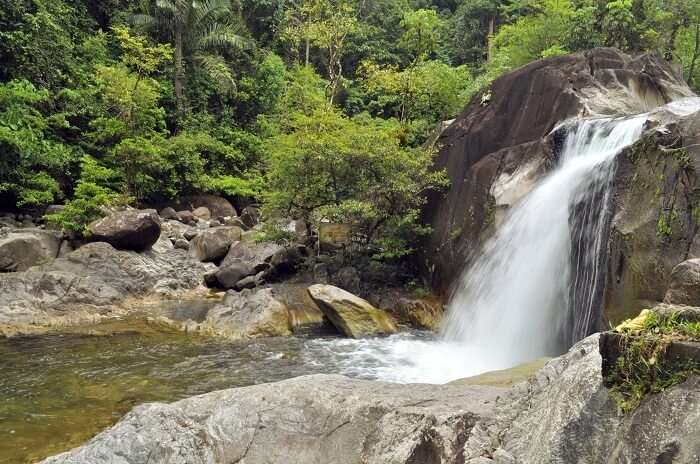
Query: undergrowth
x=642 y=367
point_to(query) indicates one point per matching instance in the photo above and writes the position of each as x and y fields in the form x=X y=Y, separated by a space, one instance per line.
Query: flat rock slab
x=324 y=419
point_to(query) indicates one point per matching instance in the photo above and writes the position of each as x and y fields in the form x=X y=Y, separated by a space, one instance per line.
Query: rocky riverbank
x=564 y=413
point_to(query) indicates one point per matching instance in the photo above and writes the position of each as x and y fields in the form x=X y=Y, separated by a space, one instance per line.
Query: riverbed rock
x=127 y=230
x=314 y=419
x=250 y=216
x=211 y=245
x=248 y=314
x=186 y=217
x=21 y=249
x=93 y=281
x=247 y=259
x=168 y=213
x=566 y=414
x=202 y=213
x=350 y=314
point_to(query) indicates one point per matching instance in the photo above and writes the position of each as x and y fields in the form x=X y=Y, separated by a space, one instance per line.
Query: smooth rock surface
x=127 y=230
x=320 y=419
x=350 y=314
x=21 y=249
x=493 y=153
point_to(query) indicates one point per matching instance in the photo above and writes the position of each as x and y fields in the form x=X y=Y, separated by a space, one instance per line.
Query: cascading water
x=536 y=287
x=512 y=302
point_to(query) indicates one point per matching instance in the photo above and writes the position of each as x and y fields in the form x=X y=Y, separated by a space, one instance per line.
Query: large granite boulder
x=350 y=314
x=21 y=249
x=211 y=245
x=321 y=419
x=494 y=152
x=245 y=259
x=248 y=314
x=131 y=229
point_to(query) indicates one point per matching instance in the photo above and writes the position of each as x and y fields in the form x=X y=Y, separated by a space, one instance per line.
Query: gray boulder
x=168 y=213
x=350 y=314
x=230 y=275
x=566 y=414
x=248 y=314
x=186 y=217
x=245 y=259
x=218 y=206
x=127 y=230
x=22 y=249
x=685 y=284
x=211 y=245
x=323 y=419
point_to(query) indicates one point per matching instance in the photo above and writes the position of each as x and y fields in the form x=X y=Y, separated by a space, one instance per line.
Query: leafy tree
x=331 y=167
x=33 y=163
x=421 y=33
x=419 y=96
x=94 y=191
x=37 y=39
x=326 y=24
x=199 y=31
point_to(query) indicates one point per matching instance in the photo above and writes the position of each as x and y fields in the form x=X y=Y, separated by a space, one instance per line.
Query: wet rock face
x=500 y=141
x=134 y=230
x=350 y=314
x=654 y=240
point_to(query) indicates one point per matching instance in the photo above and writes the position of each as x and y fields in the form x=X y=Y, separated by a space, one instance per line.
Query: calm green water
x=58 y=391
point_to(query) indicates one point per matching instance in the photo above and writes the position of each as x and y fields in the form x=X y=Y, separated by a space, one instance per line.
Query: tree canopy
x=313 y=108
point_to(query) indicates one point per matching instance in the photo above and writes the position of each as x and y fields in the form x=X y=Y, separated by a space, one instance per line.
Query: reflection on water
x=58 y=391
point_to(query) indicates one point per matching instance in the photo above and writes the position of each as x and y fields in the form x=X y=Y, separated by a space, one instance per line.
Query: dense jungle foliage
x=313 y=108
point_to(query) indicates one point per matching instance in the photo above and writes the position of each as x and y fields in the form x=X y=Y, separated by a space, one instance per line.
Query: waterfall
x=513 y=301
x=536 y=286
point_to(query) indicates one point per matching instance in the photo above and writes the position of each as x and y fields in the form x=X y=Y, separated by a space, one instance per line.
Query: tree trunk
x=696 y=53
x=179 y=74
x=308 y=46
x=492 y=32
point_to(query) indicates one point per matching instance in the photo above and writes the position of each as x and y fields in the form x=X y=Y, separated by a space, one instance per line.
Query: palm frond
x=206 y=11
x=219 y=36
x=218 y=70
